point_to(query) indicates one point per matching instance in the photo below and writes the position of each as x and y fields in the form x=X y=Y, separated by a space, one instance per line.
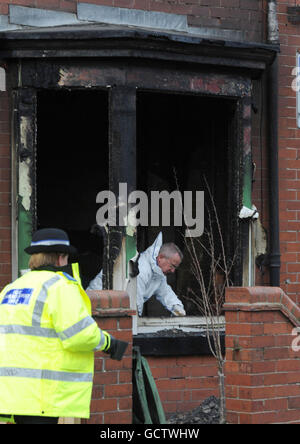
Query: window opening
x=72 y=167
x=193 y=136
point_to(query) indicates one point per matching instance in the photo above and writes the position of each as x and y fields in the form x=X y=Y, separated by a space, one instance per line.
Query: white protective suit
x=150 y=282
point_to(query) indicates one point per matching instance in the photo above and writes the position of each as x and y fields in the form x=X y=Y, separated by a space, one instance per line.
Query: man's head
x=169 y=258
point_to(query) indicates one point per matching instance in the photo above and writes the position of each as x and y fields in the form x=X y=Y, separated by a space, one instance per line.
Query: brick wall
x=246 y=15
x=289 y=151
x=289 y=145
x=112 y=390
x=262 y=370
x=183 y=382
x=242 y=15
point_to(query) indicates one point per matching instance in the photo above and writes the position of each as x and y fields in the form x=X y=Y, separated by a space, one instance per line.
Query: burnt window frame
x=75 y=58
x=118 y=126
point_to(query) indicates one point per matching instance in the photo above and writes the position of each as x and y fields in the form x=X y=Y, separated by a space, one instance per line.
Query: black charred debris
x=207 y=413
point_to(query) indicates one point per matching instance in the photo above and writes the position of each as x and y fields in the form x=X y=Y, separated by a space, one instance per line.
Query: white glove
x=178 y=310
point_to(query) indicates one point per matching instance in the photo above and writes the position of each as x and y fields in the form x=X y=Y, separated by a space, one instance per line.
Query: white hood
x=152 y=252
x=152 y=281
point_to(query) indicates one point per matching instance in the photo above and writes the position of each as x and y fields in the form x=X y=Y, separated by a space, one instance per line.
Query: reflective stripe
x=18 y=372
x=76 y=272
x=76 y=328
x=50 y=242
x=101 y=342
x=48 y=332
x=28 y=330
x=40 y=301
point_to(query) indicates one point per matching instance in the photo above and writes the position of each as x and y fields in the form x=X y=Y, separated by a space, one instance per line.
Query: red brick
x=111 y=364
x=240 y=329
x=238 y=405
x=232 y=418
x=276 y=328
x=125 y=376
x=265 y=418
x=68 y=5
x=263 y=392
x=263 y=367
x=97 y=392
x=170 y=384
x=276 y=353
x=293 y=378
x=288 y=365
x=95 y=418
x=109 y=324
x=125 y=403
x=200 y=371
x=195 y=383
x=276 y=404
x=103 y=405
x=174 y=395
x=232 y=367
x=118 y=390
x=105 y=378
x=125 y=323
x=174 y=372
x=268 y=385
x=200 y=395
x=118 y=418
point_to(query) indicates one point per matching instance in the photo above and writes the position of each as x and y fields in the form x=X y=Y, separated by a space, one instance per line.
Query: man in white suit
x=154 y=265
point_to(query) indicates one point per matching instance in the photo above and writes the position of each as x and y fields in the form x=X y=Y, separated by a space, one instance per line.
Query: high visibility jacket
x=47 y=344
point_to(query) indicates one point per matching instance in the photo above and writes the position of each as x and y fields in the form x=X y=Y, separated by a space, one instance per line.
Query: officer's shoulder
x=69 y=277
x=66 y=278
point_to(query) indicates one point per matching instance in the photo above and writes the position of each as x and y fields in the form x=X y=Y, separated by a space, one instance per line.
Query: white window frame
x=143 y=324
x=192 y=324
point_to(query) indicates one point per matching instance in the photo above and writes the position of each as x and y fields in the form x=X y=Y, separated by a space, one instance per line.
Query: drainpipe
x=274 y=250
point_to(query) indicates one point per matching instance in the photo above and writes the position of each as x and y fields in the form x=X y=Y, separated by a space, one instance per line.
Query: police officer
x=48 y=338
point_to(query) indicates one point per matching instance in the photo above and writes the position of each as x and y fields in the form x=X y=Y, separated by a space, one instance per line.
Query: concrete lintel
x=20 y=16
x=5 y=25
x=23 y=15
x=133 y=17
x=215 y=33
